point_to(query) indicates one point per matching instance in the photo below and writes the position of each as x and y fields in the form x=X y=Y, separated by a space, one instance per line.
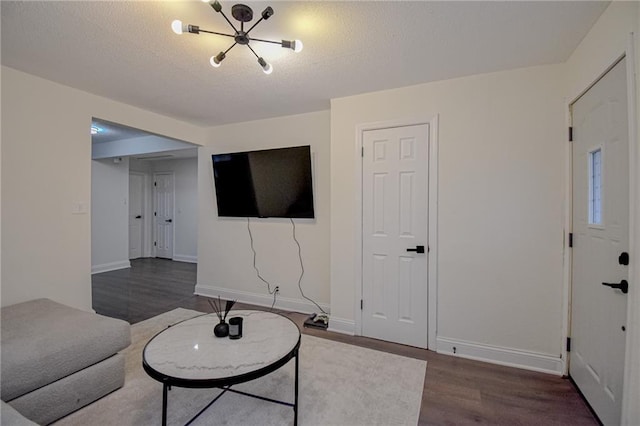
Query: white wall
x=224 y=253
x=185 y=172
x=46 y=177
x=601 y=47
x=500 y=207
x=110 y=219
x=1 y=303
x=110 y=215
x=140 y=166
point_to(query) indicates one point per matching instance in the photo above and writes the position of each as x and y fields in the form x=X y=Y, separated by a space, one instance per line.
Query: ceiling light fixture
x=241 y=13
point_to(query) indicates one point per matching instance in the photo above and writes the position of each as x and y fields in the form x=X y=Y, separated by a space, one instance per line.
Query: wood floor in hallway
x=457 y=391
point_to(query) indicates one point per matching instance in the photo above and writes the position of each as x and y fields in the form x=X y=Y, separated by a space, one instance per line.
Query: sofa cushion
x=9 y=416
x=62 y=397
x=43 y=341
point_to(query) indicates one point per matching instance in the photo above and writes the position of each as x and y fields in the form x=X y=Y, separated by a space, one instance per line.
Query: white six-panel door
x=601 y=235
x=395 y=213
x=163 y=214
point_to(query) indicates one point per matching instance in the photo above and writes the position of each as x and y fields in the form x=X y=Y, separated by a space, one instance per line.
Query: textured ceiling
x=126 y=50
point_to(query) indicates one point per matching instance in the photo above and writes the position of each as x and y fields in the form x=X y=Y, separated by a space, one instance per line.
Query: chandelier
x=242 y=13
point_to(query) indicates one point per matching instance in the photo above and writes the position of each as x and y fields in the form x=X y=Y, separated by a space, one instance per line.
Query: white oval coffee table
x=188 y=355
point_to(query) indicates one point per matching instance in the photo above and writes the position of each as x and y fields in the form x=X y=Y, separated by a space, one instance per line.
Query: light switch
x=79 y=207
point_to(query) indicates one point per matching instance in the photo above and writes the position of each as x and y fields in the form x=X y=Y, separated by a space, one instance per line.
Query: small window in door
x=595 y=187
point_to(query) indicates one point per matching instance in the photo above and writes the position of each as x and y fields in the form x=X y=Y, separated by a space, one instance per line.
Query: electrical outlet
x=277 y=289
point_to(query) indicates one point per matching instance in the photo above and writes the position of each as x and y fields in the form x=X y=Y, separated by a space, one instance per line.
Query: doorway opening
x=126 y=166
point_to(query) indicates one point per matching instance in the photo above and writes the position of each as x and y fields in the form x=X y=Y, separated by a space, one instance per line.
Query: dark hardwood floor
x=456 y=391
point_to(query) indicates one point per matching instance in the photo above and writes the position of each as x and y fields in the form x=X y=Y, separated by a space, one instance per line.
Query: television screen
x=267 y=183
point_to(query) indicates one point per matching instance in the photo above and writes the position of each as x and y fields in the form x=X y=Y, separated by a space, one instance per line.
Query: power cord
x=274 y=292
x=302 y=268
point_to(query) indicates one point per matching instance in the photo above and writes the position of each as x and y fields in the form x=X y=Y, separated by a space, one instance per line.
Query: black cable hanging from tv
x=302 y=271
x=274 y=292
x=302 y=268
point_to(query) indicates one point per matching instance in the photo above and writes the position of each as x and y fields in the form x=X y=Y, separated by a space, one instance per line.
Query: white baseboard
x=342 y=326
x=502 y=356
x=289 y=304
x=106 y=267
x=185 y=258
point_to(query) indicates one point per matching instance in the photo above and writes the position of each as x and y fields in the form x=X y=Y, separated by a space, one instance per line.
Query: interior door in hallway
x=163 y=214
x=394 y=231
x=600 y=240
x=136 y=219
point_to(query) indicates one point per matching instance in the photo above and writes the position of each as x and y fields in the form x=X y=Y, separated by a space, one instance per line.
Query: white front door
x=394 y=232
x=600 y=239
x=163 y=214
x=136 y=219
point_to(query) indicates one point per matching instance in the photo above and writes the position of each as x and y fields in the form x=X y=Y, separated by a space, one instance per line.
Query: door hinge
x=570 y=239
x=570 y=133
x=361 y=304
x=568 y=344
x=155 y=183
x=155 y=243
x=155 y=213
x=362 y=152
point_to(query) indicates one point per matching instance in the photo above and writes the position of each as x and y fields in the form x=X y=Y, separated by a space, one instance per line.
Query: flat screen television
x=266 y=183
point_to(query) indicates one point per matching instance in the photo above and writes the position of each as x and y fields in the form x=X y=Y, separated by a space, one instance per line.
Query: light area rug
x=340 y=384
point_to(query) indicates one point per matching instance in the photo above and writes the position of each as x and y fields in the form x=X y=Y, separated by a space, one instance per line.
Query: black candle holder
x=235 y=328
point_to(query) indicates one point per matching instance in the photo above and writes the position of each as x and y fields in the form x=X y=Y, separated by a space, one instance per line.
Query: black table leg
x=295 y=397
x=164 y=404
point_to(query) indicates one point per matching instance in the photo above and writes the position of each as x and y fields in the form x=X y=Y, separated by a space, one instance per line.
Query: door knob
x=623 y=259
x=418 y=249
x=169 y=220
x=622 y=286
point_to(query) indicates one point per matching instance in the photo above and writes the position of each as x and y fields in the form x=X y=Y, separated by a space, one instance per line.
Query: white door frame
x=432 y=243
x=631 y=389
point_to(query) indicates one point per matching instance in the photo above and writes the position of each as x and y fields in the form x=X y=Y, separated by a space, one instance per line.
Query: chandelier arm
x=264 y=41
x=216 y=33
x=253 y=51
x=254 y=25
x=230 y=23
x=231 y=47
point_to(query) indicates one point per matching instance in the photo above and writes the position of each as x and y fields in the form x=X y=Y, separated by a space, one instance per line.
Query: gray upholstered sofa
x=57 y=359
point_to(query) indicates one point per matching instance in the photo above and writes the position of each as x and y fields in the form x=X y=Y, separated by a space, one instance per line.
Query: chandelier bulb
x=176 y=26
x=216 y=61
x=295 y=45
x=267 y=13
x=266 y=67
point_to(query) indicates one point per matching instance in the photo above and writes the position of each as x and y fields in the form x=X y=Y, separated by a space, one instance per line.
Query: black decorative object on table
x=222 y=328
